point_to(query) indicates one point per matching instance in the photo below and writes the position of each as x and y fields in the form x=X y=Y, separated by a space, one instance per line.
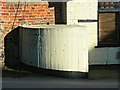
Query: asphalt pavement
x=52 y=82
x=98 y=78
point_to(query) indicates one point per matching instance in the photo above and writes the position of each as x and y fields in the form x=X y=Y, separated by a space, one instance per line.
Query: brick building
x=13 y=14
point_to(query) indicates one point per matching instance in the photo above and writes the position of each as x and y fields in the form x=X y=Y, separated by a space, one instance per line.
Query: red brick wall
x=14 y=14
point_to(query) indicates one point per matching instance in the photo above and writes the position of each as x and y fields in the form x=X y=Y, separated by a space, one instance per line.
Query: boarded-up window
x=108 y=32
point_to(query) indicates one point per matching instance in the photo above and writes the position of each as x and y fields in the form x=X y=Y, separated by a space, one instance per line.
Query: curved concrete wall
x=63 y=47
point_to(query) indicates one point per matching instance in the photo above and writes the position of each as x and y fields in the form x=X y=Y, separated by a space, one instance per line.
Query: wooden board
x=107 y=29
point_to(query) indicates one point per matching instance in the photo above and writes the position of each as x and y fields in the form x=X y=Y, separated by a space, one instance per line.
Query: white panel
x=74 y=56
x=47 y=48
x=63 y=37
x=56 y=50
x=52 y=48
x=83 y=57
x=68 y=52
x=62 y=48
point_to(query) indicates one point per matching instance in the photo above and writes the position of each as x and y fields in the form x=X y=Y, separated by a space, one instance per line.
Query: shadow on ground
x=95 y=72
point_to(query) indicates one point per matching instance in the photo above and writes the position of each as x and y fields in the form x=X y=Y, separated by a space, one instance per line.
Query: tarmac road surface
x=98 y=78
x=57 y=82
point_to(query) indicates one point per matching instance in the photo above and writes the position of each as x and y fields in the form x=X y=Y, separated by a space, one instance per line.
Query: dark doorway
x=60 y=12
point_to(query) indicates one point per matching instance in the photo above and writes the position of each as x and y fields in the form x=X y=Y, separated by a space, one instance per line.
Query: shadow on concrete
x=11 y=42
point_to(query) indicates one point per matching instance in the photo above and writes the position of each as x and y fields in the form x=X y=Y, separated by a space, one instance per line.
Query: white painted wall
x=87 y=9
x=81 y=9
